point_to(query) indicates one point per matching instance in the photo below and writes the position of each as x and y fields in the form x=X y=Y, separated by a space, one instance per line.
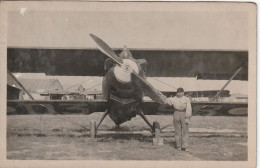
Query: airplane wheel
x=156 y=129
x=92 y=129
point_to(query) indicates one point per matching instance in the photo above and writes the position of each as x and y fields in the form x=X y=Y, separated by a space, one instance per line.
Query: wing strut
x=103 y=117
x=232 y=77
x=219 y=92
x=19 y=83
x=140 y=112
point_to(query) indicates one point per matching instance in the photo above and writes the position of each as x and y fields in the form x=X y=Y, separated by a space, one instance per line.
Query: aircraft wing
x=60 y=106
x=90 y=62
x=161 y=63
x=23 y=107
x=200 y=108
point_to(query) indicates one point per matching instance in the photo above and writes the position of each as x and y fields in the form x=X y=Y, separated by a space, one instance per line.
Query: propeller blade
x=145 y=86
x=104 y=48
x=148 y=89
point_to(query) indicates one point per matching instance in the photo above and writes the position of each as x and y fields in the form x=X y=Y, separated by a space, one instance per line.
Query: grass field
x=48 y=137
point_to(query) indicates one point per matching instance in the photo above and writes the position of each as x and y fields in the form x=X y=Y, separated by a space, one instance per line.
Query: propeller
x=142 y=83
x=104 y=48
x=148 y=89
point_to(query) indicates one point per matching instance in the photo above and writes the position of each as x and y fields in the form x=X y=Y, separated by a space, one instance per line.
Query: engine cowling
x=122 y=95
x=120 y=86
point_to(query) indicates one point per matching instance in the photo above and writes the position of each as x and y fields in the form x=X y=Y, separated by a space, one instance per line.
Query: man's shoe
x=185 y=149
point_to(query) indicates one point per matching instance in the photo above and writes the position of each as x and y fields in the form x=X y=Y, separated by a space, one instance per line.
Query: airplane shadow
x=124 y=137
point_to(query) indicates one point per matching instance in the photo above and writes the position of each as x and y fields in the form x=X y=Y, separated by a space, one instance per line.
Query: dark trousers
x=181 y=130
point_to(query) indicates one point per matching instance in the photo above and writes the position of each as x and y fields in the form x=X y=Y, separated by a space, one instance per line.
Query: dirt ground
x=40 y=137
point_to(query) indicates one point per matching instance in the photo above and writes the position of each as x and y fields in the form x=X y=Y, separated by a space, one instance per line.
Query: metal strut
x=166 y=126
x=19 y=83
x=226 y=84
x=145 y=119
x=232 y=77
x=103 y=117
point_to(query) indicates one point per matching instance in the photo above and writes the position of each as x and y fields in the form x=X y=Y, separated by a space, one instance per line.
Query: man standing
x=181 y=118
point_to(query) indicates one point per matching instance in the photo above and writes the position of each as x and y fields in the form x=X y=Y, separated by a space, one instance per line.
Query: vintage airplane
x=124 y=86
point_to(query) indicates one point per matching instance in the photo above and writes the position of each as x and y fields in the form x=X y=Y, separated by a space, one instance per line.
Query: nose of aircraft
x=125 y=53
x=129 y=71
x=123 y=72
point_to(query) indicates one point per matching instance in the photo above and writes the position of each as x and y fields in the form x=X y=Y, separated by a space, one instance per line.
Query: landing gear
x=156 y=129
x=92 y=129
x=145 y=119
x=103 y=117
x=157 y=140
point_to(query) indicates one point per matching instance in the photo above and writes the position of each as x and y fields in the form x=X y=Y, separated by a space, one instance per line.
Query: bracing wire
x=90 y=88
x=53 y=111
x=55 y=114
x=80 y=83
x=164 y=83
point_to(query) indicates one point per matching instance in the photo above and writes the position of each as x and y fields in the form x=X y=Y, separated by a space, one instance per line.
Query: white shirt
x=181 y=103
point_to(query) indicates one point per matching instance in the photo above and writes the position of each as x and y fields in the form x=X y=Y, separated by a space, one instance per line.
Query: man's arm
x=188 y=108
x=169 y=101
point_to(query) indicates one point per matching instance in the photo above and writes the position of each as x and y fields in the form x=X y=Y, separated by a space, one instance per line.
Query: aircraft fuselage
x=122 y=95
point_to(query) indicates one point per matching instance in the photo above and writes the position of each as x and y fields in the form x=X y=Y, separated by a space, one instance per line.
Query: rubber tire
x=156 y=129
x=92 y=129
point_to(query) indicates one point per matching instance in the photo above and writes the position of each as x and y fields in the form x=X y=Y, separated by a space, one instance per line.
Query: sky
x=137 y=26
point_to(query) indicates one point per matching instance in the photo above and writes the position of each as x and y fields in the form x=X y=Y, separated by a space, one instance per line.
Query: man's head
x=180 y=92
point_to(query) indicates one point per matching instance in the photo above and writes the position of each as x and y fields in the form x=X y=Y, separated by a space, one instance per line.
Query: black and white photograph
x=110 y=83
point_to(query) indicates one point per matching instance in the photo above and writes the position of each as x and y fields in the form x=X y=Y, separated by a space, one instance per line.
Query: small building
x=42 y=89
x=94 y=94
x=14 y=91
x=74 y=93
x=197 y=95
